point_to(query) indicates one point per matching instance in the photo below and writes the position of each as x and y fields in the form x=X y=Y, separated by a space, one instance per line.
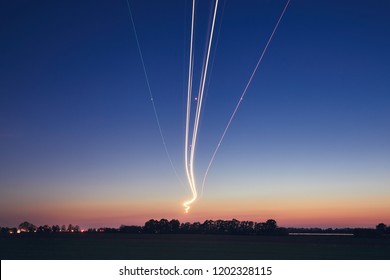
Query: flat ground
x=181 y=246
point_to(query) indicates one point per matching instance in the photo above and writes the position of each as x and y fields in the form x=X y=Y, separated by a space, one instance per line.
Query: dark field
x=181 y=246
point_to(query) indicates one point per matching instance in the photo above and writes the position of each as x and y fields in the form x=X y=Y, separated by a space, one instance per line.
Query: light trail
x=189 y=149
x=243 y=95
x=213 y=59
x=215 y=51
x=190 y=163
x=151 y=95
x=188 y=114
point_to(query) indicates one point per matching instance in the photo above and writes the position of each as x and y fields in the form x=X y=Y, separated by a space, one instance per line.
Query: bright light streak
x=188 y=115
x=189 y=149
x=243 y=94
x=190 y=162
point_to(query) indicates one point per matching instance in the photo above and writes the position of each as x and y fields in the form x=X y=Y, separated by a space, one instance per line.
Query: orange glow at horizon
x=288 y=211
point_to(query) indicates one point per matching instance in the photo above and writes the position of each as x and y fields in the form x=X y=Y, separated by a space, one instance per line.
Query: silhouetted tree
x=55 y=228
x=381 y=228
x=246 y=227
x=185 y=227
x=209 y=226
x=151 y=226
x=70 y=228
x=260 y=228
x=232 y=227
x=174 y=226
x=27 y=227
x=196 y=227
x=163 y=226
x=44 y=229
x=221 y=226
x=271 y=225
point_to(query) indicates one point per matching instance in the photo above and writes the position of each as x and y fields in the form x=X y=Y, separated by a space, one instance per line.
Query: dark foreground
x=170 y=246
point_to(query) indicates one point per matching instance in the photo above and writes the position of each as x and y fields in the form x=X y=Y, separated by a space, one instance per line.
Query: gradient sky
x=310 y=144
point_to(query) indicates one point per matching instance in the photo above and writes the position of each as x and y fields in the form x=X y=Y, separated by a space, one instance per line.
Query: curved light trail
x=190 y=162
x=190 y=143
x=188 y=115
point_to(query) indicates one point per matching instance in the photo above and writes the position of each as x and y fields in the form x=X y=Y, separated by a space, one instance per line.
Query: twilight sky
x=79 y=143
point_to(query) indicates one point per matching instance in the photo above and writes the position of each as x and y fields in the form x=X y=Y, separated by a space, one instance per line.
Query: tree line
x=27 y=227
x=164 y=226
x=231 y=227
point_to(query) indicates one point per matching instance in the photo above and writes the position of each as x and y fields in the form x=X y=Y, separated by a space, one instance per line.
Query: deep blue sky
x=77 y=130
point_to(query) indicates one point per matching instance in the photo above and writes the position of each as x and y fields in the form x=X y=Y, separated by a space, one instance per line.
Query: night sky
x=79 y=142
